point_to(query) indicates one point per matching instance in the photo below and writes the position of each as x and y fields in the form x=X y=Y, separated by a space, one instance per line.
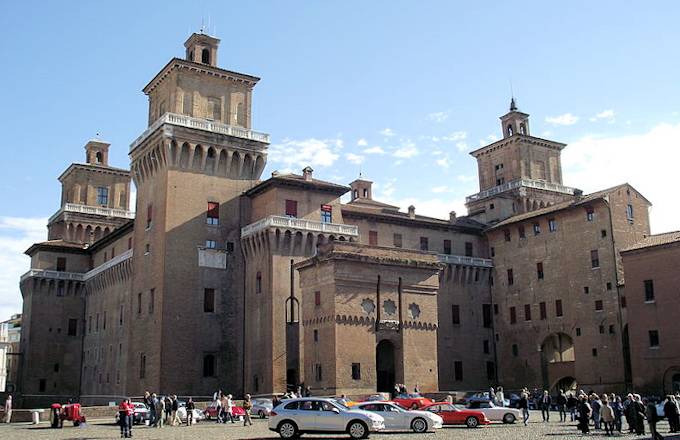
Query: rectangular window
x=317 y=298
x=72 y=327
x=513 y=315
x=326 y=214
x=511 y=278
x=61 y=264
x=594 y=259
x=356 y=371
x=96 y=326
x=316 y=335
x=147 y=249
x=458 y=371
x=208 y=300
x=486 y=315
x=537 y=228
x=447 y=247
x=552 y=225
x=609 y=286
x=213 y=213
x=543 y=311
x=578 y=331
x=291 y=208
x=120 y=316
x=142 y=365
x=319 y=374
x=558 y=307
x=599 y=306
x=522 y=233
x=527 y=312
x=506 y=234
x=397 y=240
x=492 y=251
x=42 y=385
x=230 y=246
x=586 y=289
x=258 y=282
x=603 y=233
x=490 y=370
x=455 y=314
x=495 y=309
x=373 y=238
x=152 y=300
x=210 y=244
x=601 y=329
x=611 y=329
x=594 y=352
x=539 y=270
x=104 y=323
x=149 y=215
x=485 y=346
x=515 y=350
x=653 y=338
x=468 y=249
x=629 y=213
x=102 y=195
x=424 y=244
x=139 y=303
x=649 y=290
x=590 y=214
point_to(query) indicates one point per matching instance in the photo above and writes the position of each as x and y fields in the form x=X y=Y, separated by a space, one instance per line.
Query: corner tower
x=518 y=173
x=190 y=166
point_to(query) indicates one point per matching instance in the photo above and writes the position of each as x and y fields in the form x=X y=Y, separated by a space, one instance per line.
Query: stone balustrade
x=77 y=276
x=465 y=261
x=95 y=210
x=276 y=221
x=526 y=183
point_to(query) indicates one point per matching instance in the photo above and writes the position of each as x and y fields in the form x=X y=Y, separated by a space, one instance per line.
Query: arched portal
x=565 y=384
x=557 y=360
x=385 y=366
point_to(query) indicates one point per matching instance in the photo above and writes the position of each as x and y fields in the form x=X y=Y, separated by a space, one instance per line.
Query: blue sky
x=399 y=90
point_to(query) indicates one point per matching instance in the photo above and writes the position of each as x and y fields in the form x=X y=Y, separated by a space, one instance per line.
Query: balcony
x=465 y=261
x=94 y=210
x=526 y=183
x=298 y=224
x=200 y=124
x=76 y=276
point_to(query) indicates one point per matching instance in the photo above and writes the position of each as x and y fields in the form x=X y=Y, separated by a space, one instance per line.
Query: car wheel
x=509 y=418
x=288 y=429
x=357 y=429
x=261 y=414
x=419 y=425
x=471 y=422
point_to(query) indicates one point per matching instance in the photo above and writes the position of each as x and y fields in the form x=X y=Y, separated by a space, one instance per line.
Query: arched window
x=522 y=128
x=356 y=193
x=365 y=192
x=510 y=130
x=205 y=56
x=208 y=365
x=98 y=157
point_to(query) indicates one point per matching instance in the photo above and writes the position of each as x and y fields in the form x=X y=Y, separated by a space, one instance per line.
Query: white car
x=495 y=413
x=398 y=419
x=182 y=414
x=294 y=417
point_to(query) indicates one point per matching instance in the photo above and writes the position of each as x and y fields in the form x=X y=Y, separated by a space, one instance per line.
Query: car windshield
x=409 y=396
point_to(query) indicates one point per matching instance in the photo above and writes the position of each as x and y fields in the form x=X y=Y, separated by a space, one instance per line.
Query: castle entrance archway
x=385 y=366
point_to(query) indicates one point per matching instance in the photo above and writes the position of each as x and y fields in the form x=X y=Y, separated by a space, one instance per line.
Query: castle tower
x=518 y=173
x=94 y=198
x=190 y=167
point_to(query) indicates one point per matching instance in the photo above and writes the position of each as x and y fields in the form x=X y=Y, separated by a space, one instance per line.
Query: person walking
x=190 y=411
x=670 y=410
x=572 y=403
x=523 y=404
x=125 y=411
x=639 y=415
x=546 y=401
x=247 y=407
x=230 y=408
x=617 y=407
x=500 y=397
x=148 y=401
x=628 y=412
x=562 y=406
x=175 y=407
x=168 y=409
x=596 y=405
x=652 y=419
x=8 y=408
x=607 y=415
x=584 y=411
x=160 y=409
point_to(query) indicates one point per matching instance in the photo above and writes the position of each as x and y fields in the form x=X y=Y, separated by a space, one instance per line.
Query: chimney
x=307 y=173
x=411 y=211
x=452 y=217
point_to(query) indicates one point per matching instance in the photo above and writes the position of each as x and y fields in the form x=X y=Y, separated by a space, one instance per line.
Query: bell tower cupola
x=514 y=122
x=97 y=152
x=202 y=48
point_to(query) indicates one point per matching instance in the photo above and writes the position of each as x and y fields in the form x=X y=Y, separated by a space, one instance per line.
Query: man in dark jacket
x=546 y=400
x=670 y=410
x=584 y=412
x=523 y=405
x=652 y=419
x=562 y=406
x=572 y=402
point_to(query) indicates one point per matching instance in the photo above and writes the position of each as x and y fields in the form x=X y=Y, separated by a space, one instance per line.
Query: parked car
x=262 y=407
x=211 y=411
x=483 y=397
x=308 y=414
x=412 y=401
x=495 y=413
x=399 y=419
x=457 y=415
x=182 y=414
x=140 y=415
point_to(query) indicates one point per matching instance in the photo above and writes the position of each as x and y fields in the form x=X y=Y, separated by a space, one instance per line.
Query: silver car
x=262 y=407
x=310 y=414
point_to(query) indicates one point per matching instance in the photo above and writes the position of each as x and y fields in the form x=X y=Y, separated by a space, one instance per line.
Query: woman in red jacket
x=125 y=411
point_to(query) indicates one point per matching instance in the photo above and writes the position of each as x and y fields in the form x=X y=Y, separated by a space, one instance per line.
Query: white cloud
x=297 y=154
x=362 y=142
x=564 y=119
x=607 y=115
x=440 y=189
x=648 y=161
x=374 y=150
x=406 y=150
x=438 y=116
x=16 y=235
x=387 y=132
x=385 y=190
x=490 y=139
x=444 y=162
x=354 y=158
x=462 y=146
x=456 y=136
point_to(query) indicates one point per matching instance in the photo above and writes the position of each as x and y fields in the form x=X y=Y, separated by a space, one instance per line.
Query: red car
x=211 y=411
x=457 y=415
x=412 y=401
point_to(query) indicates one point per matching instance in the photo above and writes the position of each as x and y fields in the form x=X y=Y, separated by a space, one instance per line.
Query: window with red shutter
x=213 y=215
x=291 y=208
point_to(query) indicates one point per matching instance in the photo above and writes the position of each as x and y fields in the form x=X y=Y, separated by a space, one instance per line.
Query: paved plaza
x=103 y=429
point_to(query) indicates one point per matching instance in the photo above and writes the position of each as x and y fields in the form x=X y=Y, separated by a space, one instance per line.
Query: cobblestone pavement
x=103 y=429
